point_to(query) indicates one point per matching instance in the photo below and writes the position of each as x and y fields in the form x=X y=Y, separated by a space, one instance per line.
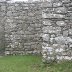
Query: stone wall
x=57 y=30
x=37 y=27
x=23 y=28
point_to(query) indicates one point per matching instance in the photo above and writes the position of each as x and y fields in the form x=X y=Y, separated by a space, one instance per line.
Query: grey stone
x=46 y=4
x=70 y=31
x=9 y=13
x=44 y=15
x=3 y=8
x=63 y=40
x=61 y=10
x=48 y=22
x=46 y=37
x=65 y=33
x=60 y=23
x=65 y=1
x=57 y=4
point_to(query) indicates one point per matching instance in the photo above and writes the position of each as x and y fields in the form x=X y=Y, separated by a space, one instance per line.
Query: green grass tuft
x=31 y=64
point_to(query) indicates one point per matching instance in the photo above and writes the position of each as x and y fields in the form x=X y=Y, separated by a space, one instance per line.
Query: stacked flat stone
x=23 y=28
x=57 y=30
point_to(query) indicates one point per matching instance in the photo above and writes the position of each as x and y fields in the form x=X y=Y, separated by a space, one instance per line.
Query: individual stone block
x=60 y=23
x=70 y=46
x=55 y=30
x=57 y=4
x=48 y=22
x=51 y=15
x=67 y=58
x=9 y=13
x=48 y=10
x=46 y=37
x=50 y=29
x=51 y=40
x=65 y=33
x=61 y=10
x=31 y=14
x=11 y=8
x=45 y=44
x=37 y=25
x=45 y=15
x=70 y=9
x=70 y=31
x=47 y=29
x=50 y=1
x=65 y=1
x=58 y=16
x=60 y=58
x=47 y=4
x=7 y=52
x=30 y=28
x=9 y=20
x=59 y=50
x=3 y=8
x=2 y=14
x=63 y=40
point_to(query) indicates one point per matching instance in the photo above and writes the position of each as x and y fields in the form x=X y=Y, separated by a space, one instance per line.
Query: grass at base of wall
x=31 y=64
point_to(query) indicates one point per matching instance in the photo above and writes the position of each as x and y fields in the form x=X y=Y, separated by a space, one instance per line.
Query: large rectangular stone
x=57 y=4
x=51 y=15
x=47 y=4
x=47 y=22
x=61 y=10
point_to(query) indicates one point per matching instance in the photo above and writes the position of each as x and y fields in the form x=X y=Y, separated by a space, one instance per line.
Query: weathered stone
x=9 y=13
x=46 y=37
x=51 y=40
x=59 y=50
x=63 y=40
x=65 y=1
x=50 y=29
x=61 y=10
x=47 y=4
x=3 y=8
x=9 y=20
x=44 y=15
x=48 y=22
x=65 y=33
x=7 y=52
x=60 y=23
x=57 y=4
x=70 y=31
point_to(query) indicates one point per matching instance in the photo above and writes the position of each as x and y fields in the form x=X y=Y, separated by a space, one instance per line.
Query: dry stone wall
x=57 y=30
x=23 y=28
x=37 y=27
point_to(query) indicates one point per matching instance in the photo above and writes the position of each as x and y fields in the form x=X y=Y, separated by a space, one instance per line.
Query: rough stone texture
x=37 y=27
x=20 y=28
x=57 y=31
x=23 y=28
